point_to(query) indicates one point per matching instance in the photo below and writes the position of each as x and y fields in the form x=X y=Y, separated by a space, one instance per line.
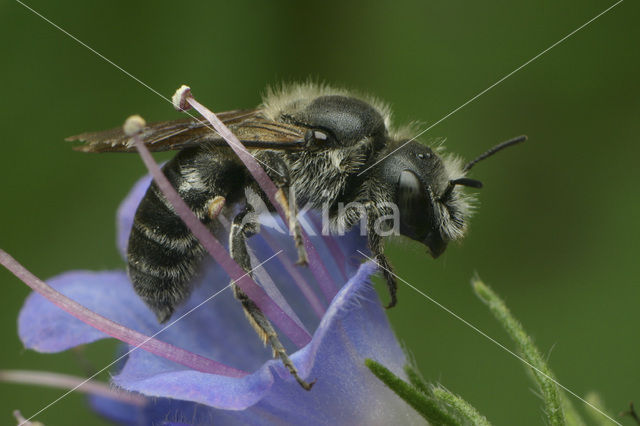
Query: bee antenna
x=472 y=183
x=493 y=150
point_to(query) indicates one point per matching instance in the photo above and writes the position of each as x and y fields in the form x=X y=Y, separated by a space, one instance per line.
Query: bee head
x=432 y=209
x=424 y=184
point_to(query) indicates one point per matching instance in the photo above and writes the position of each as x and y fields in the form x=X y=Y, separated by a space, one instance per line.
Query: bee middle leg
x=278 y=171
x=241 y=229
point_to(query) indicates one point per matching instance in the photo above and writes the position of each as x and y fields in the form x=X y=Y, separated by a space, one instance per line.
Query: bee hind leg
x=240 y=230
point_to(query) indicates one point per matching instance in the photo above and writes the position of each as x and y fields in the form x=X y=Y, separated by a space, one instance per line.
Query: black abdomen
x=163 y=256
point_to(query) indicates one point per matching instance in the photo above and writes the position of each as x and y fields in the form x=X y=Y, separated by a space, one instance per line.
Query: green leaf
x=427 y=407
x=594 y=399
x=461 y=407
x=541 y=372
x=416 y=380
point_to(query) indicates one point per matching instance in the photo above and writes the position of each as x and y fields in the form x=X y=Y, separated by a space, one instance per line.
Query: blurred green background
x=557 y=230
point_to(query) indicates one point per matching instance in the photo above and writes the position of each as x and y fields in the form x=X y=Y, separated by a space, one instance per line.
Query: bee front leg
x=377 y=250
x=241 y=229
x=278 y=171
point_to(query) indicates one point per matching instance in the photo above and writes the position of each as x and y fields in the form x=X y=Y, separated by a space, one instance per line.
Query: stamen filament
x=318 y=269
x=296 y=276
x=65 y=381
x=277 y=315
x=112 y=328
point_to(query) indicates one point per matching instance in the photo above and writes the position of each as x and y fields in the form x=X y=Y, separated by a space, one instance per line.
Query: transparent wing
x=253 y=130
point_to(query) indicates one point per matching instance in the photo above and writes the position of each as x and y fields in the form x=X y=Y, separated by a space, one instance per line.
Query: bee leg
x=278 y=171
x=241 y=229
x=377 y=250
x=294 y=225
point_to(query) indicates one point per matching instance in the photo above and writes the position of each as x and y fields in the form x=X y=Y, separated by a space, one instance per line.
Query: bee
x=324 y=148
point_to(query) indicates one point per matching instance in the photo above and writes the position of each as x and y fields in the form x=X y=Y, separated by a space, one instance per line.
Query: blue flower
x=258 y=390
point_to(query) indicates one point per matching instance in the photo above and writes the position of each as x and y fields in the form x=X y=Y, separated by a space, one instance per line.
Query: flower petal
x=156 y=411
x=119 y=412
x=354 y=328
x=44 y=327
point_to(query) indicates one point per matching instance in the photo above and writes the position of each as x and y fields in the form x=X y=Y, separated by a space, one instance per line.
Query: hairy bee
x=325 y=148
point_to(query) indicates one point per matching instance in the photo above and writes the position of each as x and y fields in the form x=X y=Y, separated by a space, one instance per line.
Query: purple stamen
x=274 y=292
x=65 y=381
x=112 y=328
x=277 y=315
x=181 y=100
x=331 y=242
x=297 y=277
x=337 y=253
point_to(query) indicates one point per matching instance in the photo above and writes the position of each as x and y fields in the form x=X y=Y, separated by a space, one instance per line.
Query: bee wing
x=253 y=130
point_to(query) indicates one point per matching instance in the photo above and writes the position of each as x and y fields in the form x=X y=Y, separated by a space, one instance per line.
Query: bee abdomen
x=163 y=255
x=160 y=272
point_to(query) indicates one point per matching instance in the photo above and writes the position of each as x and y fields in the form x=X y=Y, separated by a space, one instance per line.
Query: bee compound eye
x=314 y=135
x=320 y=136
